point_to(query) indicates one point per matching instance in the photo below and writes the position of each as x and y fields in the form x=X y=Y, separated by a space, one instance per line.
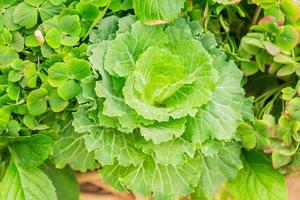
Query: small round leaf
x=37 y=101
x=68 y=90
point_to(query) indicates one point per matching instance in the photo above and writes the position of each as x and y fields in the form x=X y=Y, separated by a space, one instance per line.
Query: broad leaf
x=259 y=181
x=26 y=184
x=31 y=151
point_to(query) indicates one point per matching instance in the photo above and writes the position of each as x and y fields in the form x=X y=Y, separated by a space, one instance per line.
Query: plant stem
x=256 y=15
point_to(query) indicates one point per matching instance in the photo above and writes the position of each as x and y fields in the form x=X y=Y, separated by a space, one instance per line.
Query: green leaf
x=13 y=128
x=64 y=181
x=293 y=108
x=26 y=184
x=68 y=90
x=47 y=10
x=288 y=39
x=57 y=104
x=291 y=9
x=217 y=169
x=70 y=150
x=37 y=101
x=31 y=41
x=247 y=134
x=7 y=55
x=221 y=116
x=284 y=59
x=88 y=10
x=126 y=48
x=69 y=41
x=8 y=20
x=111 y=145
x=163 y=132
x=17 y=42
x=258 y=180
x=158 y=75
x=32 y=151
x=25 y=15
x=58 y=74
x=79 y=69
x=56 y=2
x=35 y=3
x=157 y=12
x=4 y=119
x=53 y=38
x=177 y=151
x=150 y=178
x=70 y=25
x=14 y=76
x=117 y=5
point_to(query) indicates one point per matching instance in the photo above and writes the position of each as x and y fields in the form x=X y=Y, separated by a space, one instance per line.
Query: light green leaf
x=289 y=38
x=110 y=145
x=158 y=75
x=163 y=132
x=17 y=42
x=69 y=41
x=150 y=178
x=221 y=116
x=258 y=180
x=25 y=15
x=26 y=184
x=57 y=104
x=53 y=38
x=157 y=11
x=70 y=25
x=37 y=101
x=88 y=10
x=47 y=10
x=217 y=169
x=198 y=65
x=32 y=151
x=79 y=69
x=56 y=2
x=4 y=119
x=7 y=55
x=34 y=3
x=64 y=181
x=68 y=90
x=70 y=150
x=8 y=19
x=126 y=48
x=174 y=152
x=31 y=41
x=58 y=74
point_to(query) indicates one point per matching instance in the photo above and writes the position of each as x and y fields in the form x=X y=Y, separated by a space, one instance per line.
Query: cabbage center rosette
x=166 y=104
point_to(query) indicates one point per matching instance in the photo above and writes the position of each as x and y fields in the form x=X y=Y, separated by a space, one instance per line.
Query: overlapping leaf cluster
x=150 y=99
x=38 y=82
x=162 y=117
x=273 y=49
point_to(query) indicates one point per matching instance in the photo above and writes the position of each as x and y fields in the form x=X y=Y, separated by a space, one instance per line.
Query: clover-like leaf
x=69 y=24
x=7 y=55
x=58 y=74
x=57 y=104
x=68 y=89
x=79 y=69
x=288 y=39
x=25 y=15
x=53 y=38
x=37 y=101
x=88 y=10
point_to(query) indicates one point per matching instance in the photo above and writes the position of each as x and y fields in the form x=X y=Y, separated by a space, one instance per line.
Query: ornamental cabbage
x=162 y=118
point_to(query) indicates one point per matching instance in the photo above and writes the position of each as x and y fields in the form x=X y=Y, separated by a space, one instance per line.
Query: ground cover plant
x=167 y=99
